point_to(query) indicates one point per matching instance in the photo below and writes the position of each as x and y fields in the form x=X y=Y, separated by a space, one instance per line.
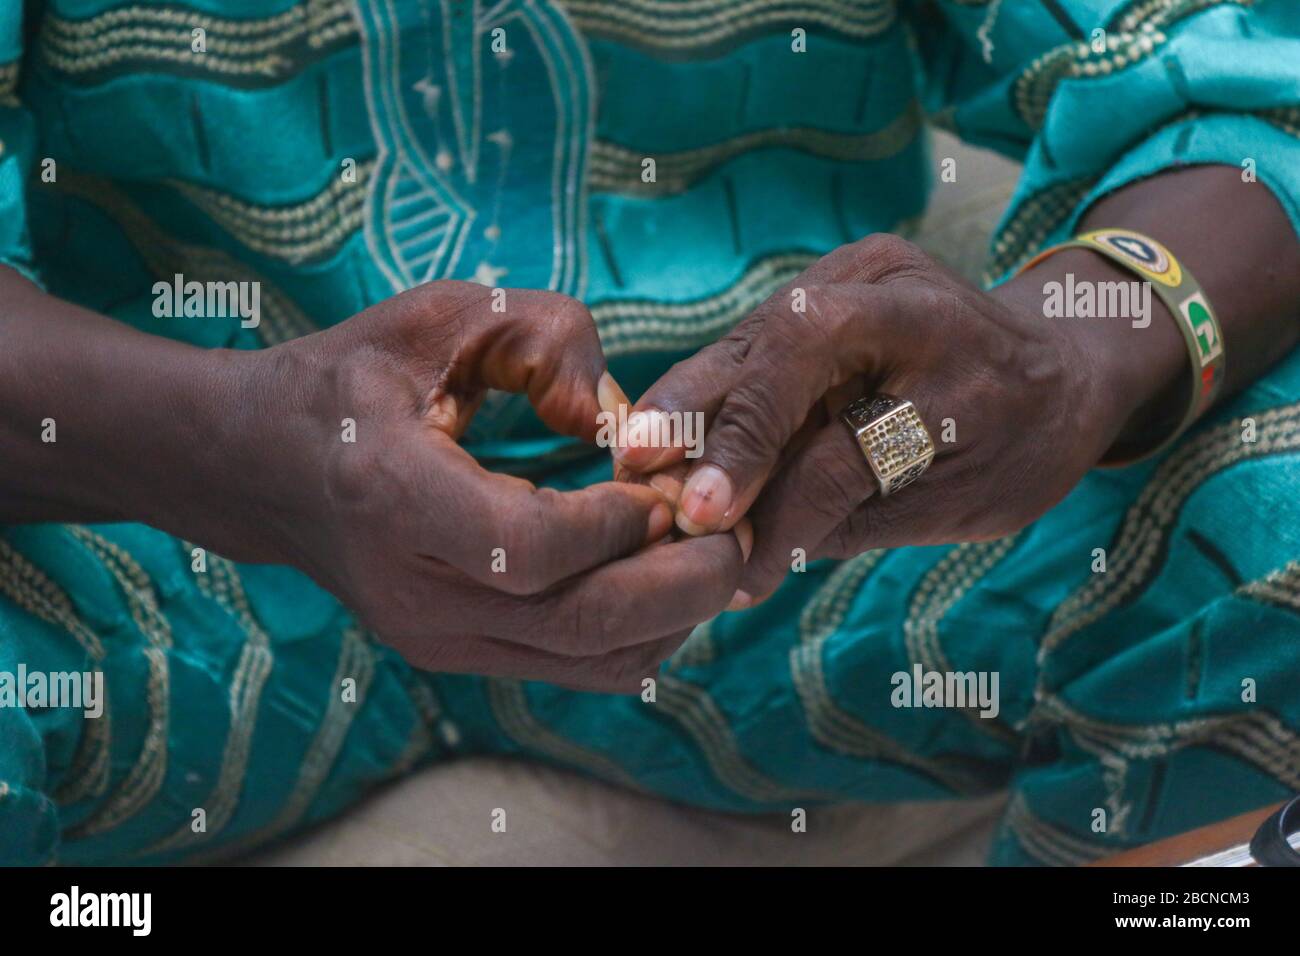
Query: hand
x=458 y=568
x=1033 y=404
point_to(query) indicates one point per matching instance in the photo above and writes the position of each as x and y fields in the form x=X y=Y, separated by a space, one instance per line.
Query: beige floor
x=443 y=815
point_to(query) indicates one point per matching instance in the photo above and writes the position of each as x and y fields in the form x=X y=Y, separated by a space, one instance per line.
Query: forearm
x=1235 y=238
x=101 y=422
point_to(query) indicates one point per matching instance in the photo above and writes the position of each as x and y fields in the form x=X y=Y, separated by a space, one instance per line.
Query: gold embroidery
x=627 y=326
x=688 y=24
x=1032 y=221
x=164 y=35
x=222 y=584
x=294 y=233
x=9 y=84
x=1285 y=117
x=1047 y=843
x=830 y=725
x=1040 y=214
x=697 y=713
x=357 y=661
x=1136 y=37
x=617 y=169
x=418 y=744
x=698 y=649
x=31 y=590
x=1259 y=738
x=28 y=587
x=510 y=708
x=1147 y=523
x=166 y=257
x=942 y=587
x=1280 y=587
x=145 y=778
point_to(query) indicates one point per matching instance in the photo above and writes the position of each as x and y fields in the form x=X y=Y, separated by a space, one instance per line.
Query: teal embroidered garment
x=340 y=151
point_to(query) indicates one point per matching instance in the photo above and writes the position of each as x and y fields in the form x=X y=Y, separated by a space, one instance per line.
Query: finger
x=668 y=481
x=701 y=382
x=878 y=523
x=512 y=536
x=918 y=515
x=745 y=498
x=542 y=344
x=822 y=495
x=795 y=359
x=694 y=387
x=808 y=498
x=873 y=259
x=658 y=591
x=545 y=345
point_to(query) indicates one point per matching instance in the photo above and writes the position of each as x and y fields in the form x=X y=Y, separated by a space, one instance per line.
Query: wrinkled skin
x=1027 y=400
x=403 y=524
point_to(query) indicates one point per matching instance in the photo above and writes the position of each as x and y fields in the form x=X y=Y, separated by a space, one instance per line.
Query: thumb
x=544 y=345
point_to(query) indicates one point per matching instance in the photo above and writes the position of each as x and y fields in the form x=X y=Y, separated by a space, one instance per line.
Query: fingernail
x=642 y=451
x=706 y=499
x=739 y=601
x=668 y=486
x=744 y=532
x=636 y=423
x=689 y=526
x=660 y=523
x=609 y=394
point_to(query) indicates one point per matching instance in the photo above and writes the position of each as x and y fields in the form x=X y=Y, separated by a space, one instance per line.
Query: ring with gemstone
x=894 y=440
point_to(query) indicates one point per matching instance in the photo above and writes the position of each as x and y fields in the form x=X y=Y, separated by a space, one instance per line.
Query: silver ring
x=893 y=439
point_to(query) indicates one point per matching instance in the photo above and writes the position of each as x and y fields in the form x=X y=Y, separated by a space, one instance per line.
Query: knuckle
x=849 y=538
x=886 y=256
x=567 y=315
x=620 y=527
x=747 y=425
x=446 y=298
x=726 y=353
x=821 y=499
x=801 y=341
x=820 y=299
x=689 y=384
x=588 y=619
x=639 y=663
x=517 y=531
x=835 y=487
x=816 y=337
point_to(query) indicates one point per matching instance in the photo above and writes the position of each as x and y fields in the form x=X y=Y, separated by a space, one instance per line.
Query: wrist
x=1133 y=361
x=189 y=467
x=104 y=423
x=244 y=457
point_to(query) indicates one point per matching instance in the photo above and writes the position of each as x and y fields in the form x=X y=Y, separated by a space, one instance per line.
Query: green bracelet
x=1185 y=299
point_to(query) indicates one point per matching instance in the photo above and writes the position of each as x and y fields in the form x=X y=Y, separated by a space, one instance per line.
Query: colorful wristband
x=1186 y=301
